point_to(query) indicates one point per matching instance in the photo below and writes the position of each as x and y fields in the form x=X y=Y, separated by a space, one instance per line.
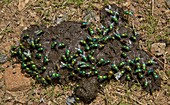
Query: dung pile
x=74 y=51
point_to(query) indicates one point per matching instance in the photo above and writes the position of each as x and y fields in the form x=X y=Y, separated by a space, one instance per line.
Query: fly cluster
x=88 y=57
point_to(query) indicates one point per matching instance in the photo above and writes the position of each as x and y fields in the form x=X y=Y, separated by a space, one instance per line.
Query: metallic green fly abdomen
x=123 y=54
x=26 y=36
x=43 y=68
x=138 y=71
x=73 y=62
x=150 y=62
x=155 y=75
x=128 y=77
x=117 y=36
x=101 y=62
x=41 y=49
x=46 y=60
x=140 y=75
x=84 y=24
x=114 y=19
x=121 y=64
x=37 y=40
x=114 y=67
x=39 y=32
x=91 y=31
x=128 y=68
x=68 y=53
x=55 y=75
x=82 y=73
x=32 y=44
x=128 y=13
x=61 y=45
x=38 y=55
x=13 y=53
x=150 y=71
x=124 y=35
x=125 y=48
x=133 y=38
x=53 y=45
x=23 y=65
x=83 y=42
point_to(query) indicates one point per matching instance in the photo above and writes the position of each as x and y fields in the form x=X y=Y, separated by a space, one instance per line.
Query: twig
x=3 y=30
x=162 y=63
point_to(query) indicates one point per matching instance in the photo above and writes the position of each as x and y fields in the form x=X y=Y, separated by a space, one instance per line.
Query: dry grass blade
x=153 y=3
x=3 y=30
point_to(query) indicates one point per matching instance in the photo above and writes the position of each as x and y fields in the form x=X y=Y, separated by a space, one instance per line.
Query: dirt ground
x=151 y=20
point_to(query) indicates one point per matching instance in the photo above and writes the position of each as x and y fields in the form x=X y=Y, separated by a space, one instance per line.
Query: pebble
x=3 y=58
x=70 y=100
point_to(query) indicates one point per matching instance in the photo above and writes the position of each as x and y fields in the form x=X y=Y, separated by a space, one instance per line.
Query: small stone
x=3 y=58
x=158 y=49
x=15 y=80
x=70 y=100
